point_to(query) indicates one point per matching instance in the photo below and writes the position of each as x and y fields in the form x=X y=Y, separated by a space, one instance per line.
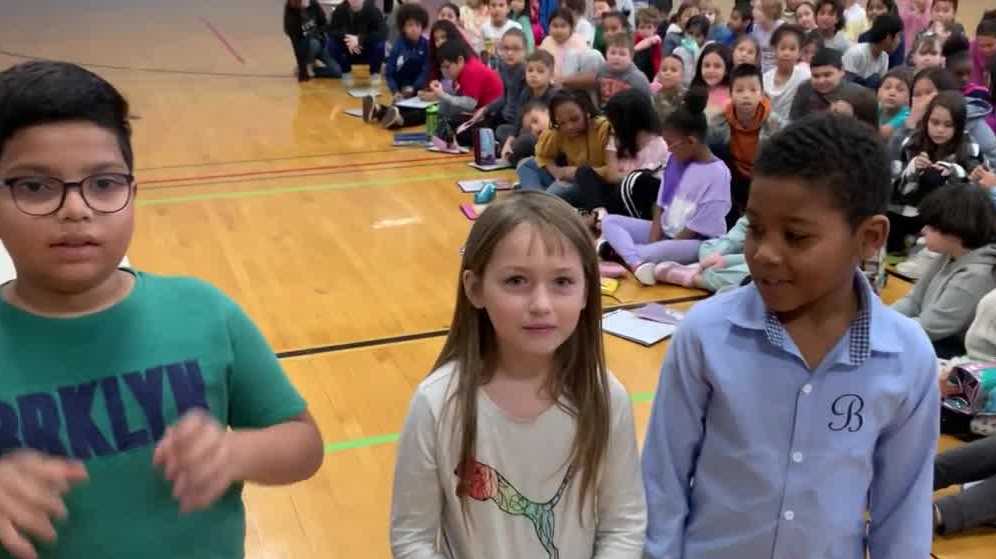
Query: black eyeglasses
x=105 y=193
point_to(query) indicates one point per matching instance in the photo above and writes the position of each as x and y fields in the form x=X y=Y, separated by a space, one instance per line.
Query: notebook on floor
x=498 y=165
x=628 y=326
x=354 y=112
x=420 y=139
x=475 y=185
x=414 y=103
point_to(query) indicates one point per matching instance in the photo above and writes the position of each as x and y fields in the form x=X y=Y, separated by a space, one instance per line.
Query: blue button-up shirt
x=750 y=454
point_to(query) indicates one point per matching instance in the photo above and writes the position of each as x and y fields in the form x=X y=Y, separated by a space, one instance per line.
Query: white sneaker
x=918 y=264
x=645 y=273
x=375 y=80
x=347 y=80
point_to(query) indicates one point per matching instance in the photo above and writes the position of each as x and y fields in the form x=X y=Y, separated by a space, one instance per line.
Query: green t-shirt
x=102 y=388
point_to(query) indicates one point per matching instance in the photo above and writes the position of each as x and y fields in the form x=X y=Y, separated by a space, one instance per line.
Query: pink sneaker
x=682 y=275
x=611 y=270
x=661 y=270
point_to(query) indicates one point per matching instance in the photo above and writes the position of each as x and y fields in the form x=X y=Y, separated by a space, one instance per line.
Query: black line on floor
x=390 y=340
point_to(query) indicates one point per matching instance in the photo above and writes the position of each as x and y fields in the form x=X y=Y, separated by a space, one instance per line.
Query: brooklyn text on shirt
x=46 y=421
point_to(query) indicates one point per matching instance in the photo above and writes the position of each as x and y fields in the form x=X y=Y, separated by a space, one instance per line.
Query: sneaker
x=371 y=110
x=375 y=80
x=611 y=270
x=918 y=264
x=392 y=118
x=682 y=275
x=661 y=270
x=347 y=80
x=303 y=76
x=645 y=273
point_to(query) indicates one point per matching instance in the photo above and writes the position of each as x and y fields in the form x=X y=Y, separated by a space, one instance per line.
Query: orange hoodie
x=745 y=139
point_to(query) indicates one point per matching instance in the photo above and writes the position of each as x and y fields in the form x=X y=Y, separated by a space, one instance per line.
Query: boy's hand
x=921 y=162
x=31 y=489
x=983 y=176
x=196 y=455
x=506 y=150
x=353 y=44
x=917 y=110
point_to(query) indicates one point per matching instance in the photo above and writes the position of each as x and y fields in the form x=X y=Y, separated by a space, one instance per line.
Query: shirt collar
x=868 y=332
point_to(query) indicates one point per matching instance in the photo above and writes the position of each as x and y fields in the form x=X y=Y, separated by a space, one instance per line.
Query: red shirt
x=480 y=82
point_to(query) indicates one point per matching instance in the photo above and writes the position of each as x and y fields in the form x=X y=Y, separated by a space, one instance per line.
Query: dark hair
x=699 y=22
x=564 y=14
x=724 y=52
x=451 y=6
x=576 y=6
x=453 y=35
x=954 y=102
x=412 y=12
x=543 y=56
x=533 y=105
x=954 y=3
x=450 y=51
x=631 y=112
x=577 y=96
x=838 y=8
x=675 y=57
x=47 y=92
x=942 y=79
x=619 y=40
x=526 y=9
x=618 y=15
x=745 y=11
x=812 y=37
x=890 y=6
x=689 y=118
x=962 y=210
x=987 y=25
x=682 y=8
x=827 y=57
x=836 y=154
x=883 y=27
x=746 y=71
x=903 y=74
x=956 y=43
x=647 y=14
x=863 y=102
x=515 y=32
x=787 y=29
x=611 y=3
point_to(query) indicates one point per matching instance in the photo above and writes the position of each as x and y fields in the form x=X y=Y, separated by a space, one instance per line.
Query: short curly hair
x=412 y=12
x=834 y=153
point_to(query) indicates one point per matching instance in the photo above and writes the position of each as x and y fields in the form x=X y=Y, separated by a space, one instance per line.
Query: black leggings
x=635 y=196
x=976 y=506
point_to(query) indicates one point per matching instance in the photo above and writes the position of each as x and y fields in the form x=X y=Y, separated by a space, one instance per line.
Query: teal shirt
x=102 y=389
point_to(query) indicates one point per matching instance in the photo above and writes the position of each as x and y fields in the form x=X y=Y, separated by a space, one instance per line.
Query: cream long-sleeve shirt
x=522 y=502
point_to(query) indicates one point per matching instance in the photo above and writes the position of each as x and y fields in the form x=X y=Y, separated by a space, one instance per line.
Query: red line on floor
x=223 y=41
x=286 y=171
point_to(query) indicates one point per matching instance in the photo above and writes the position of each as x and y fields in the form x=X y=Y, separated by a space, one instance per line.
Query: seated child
x=519 y=13
x=959 y=225
x=746 y=123
x=646 y=42
x=610 y=24
x=562 y=40
x=856 y=19
x=805 y=16
x=304 y=25
x=618 y=73
x=859 y=103
x=476 y=86
x=984 y=49
x=473 y=17
x=407 y=70
x=798 y=416
x=826 y=84
x=675 y=30
x=718 y=31
x=830 y=23
x=938 y=150
x=713 y=73
x=582 y=26
x=538 y=88
x=746 y=51
x=136 y=406
x=696 y=32
x=692 y=202
x=504 y=111
x=358 y=33
x=766 y=21
x=926 y=53
x=878 y=8
x=722 y=264
x=535 y=121
x=578 y=137
x=811 y=43
x=942 y=18
x=635 y=157
x=866 y=63
x=667 y=88
x=782 y=81
x=740 y=22
x=495 y=28
x=894 y=101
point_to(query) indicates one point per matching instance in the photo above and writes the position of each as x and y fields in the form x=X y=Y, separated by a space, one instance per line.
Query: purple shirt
x=694 y=196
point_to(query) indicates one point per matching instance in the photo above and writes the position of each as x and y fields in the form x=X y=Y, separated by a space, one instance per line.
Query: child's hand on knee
x=31 y=489
x=714 y=260
x=196 y=455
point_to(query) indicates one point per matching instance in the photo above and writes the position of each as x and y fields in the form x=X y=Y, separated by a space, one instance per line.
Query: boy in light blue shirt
x=797 y=417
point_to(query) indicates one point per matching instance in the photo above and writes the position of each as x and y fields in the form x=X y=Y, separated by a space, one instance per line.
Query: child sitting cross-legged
x=618 y=73
x=538 y=89
x=501 y=113
x=959 y=225
x=721 y=264
x=407 y=68
x=692 y=203
x=667 y=88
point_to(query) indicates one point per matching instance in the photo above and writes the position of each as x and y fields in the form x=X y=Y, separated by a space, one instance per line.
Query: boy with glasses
x=128 y=401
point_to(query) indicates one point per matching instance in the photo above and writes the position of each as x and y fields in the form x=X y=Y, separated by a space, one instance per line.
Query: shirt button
x=806 y=389
x=789 y=515
x=797 y=457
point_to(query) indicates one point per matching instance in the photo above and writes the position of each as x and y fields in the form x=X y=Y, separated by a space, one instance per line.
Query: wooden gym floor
x=343 y=249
